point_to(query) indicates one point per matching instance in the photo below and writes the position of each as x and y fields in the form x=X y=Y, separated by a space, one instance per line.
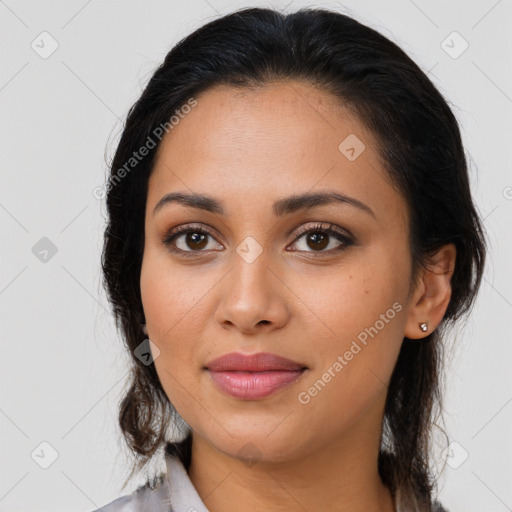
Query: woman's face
x=256 y=283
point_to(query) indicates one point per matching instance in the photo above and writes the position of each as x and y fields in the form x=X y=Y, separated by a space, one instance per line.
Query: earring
x=424 y=326
x=144 y=329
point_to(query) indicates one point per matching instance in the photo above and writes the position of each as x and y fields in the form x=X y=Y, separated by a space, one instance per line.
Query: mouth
x=252 y=377
x=260 y=362
x=254 y=385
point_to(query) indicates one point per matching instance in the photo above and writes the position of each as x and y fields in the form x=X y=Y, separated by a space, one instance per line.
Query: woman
x=291 y=232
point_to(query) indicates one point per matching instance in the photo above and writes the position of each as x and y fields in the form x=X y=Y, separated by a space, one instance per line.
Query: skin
x=249 y=148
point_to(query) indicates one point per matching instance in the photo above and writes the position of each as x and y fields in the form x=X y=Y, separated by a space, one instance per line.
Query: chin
x=258 y=446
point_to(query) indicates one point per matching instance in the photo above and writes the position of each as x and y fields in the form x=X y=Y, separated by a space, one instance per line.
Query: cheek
x=172 y=296
x=344 y=301
x=175 y=302
x=339 y=310
x=357 y=337
x=356 y=312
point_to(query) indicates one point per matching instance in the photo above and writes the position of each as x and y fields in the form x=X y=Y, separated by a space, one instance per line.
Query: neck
x=337 y=478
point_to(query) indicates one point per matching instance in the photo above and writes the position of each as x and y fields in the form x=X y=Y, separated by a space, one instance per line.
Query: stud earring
x=144 y=329
x=424 y=326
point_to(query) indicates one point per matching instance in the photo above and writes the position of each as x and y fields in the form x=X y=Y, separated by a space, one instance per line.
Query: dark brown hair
x=419 y=145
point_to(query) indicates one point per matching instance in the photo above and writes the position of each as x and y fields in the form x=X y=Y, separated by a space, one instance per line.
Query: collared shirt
x=175 y=492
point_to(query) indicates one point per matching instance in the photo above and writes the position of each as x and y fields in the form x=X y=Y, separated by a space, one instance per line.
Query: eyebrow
x=280 y=208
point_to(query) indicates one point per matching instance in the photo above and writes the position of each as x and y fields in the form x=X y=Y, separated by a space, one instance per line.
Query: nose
x=253 y=297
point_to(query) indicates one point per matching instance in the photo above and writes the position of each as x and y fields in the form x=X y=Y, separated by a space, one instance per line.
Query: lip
x=251 y=377
x=260 y=362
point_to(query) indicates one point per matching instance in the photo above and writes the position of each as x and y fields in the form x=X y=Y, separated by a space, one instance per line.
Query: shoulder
x=154 y=498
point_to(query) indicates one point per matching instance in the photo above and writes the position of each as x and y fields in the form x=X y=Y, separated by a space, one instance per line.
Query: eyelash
x=331 y=230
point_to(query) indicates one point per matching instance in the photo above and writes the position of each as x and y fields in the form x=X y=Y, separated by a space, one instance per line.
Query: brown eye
x=195 y=240
x=318 y=238
x=188 y=239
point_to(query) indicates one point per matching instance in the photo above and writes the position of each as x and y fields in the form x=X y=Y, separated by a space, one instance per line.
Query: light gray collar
x=183 y=496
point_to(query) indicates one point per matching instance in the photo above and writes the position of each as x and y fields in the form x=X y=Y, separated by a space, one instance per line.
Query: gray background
x=63 y=367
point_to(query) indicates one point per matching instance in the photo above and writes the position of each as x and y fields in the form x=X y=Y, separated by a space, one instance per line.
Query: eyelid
x=343 y=235
x=173 y=233
x=305 y=228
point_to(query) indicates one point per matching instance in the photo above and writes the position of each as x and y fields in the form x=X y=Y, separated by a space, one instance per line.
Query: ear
x=432 y=294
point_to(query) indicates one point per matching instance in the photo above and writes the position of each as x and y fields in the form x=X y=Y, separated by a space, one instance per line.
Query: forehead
x=269 y=142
